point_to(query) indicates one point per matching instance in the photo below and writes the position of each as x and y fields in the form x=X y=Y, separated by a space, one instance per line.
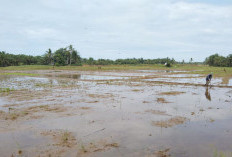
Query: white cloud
x=107 y=28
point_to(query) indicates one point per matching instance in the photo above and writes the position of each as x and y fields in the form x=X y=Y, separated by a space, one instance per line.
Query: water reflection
x=207 y=94
x=73 y=76
x=51 y=82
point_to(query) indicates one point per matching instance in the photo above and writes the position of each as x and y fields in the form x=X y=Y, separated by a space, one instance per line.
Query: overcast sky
x=181 y=29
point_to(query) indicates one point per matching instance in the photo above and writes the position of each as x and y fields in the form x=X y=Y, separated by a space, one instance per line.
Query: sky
x=112 y=29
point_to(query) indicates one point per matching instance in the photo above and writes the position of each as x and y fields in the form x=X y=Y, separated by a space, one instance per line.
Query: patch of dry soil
x=170 y=122
x=171 y=93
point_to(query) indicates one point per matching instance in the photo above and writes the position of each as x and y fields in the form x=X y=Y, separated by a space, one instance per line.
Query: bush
x=168 y=64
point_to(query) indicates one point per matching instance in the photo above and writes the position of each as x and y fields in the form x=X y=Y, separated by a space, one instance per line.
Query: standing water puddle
x=183 y=75
x=94 y=77
x=87 y=77
x=26 y=82
x=230 y=82
x=165 y=71
x=68 y=116
x=215 y=81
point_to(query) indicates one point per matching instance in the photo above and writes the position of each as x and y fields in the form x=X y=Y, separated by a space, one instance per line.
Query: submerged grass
x=14 y=115
x=65 y=136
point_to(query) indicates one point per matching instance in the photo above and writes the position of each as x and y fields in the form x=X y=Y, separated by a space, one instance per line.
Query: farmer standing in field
x=208 y=79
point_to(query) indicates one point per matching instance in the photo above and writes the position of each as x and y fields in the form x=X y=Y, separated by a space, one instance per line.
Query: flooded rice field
x=125 y=113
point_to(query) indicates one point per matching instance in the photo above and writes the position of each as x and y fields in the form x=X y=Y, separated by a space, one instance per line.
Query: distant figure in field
x=208 y=79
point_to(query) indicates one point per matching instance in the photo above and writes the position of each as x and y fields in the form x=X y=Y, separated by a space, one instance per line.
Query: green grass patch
x=190 y=68
x=222 y=154
x=43 y=85
x=90 y=67
x=5 y=90
x=21 y=74
x=27 y=67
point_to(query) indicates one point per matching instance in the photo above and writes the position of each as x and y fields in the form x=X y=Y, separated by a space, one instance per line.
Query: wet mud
x=115 y=113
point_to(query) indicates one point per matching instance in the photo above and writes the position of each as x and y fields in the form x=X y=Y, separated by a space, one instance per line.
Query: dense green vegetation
x=69 y=56
x=62 y=56
x=7 y=59
x=219 y=61
x=131 y=61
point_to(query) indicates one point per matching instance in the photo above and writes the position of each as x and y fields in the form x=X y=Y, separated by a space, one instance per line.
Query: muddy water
x=230 y=82
x=183 y=75
x=108 y=115
x=215 y=81
x=165 y=71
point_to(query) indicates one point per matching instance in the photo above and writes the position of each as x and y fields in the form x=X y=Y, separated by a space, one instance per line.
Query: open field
x=142 y=110
x=190 y=68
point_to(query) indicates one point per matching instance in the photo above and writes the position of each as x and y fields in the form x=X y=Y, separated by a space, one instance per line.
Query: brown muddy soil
x=170 y=122
x=157 y=112
x=123 y=113
x=171 y=93
x=162 y=100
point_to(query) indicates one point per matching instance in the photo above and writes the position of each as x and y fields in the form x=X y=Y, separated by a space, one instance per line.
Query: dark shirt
x=209 y=77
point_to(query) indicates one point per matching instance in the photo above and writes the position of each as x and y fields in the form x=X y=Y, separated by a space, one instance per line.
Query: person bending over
x=208 y=79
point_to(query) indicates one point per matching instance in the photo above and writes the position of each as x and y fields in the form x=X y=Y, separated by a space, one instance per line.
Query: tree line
x=133 y=61
x=219 y=61
x=62 y=56
x=7 y=59
x=70 y=56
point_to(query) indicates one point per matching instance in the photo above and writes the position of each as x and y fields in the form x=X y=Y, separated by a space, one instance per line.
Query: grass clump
x=12 y=116
x=83 y=149
x=65 y=136
x=15 y=115
x=5 y=90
